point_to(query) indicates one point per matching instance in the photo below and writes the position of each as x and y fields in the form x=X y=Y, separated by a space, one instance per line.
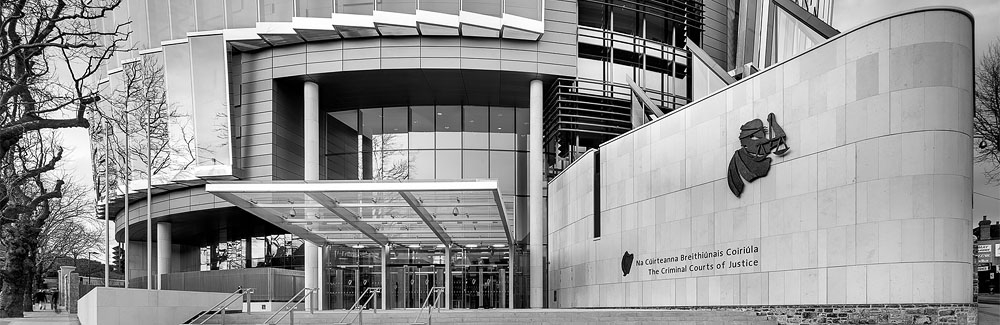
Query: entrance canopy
x=353 y=213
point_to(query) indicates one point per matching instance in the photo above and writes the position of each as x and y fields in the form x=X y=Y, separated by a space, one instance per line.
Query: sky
x=846 y=15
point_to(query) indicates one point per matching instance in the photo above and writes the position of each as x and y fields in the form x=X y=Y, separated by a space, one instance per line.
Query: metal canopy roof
x=459 y=212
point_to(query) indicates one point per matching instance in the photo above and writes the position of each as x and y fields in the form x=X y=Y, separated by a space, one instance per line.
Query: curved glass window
x=275 y=10
x=524 y=8
x=400 y=6
x=442 y=6
x=427 y=142
x=242 y=13
x=485 y=7
x=211 y=14
x=182 y=18
x=314 y=8
x=357 y=7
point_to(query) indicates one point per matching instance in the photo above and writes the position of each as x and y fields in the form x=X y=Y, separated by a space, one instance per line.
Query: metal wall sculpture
x=627 y=263
x=751 y=161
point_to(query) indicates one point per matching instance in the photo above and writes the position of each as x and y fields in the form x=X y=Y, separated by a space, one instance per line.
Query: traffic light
x=119 y=259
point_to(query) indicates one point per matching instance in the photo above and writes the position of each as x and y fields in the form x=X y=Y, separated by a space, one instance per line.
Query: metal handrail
x=436 y=292
x=288 y=307
x=223 y=305
x=374 y=291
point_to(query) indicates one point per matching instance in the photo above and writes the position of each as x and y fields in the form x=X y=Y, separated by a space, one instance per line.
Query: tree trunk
x=11 y=300
x=18 y=272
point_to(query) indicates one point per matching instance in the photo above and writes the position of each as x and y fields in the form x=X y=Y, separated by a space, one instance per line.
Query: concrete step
x=520 y=316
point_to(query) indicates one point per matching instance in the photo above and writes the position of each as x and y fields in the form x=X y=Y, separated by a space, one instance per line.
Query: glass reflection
x=357 y=7
x=275 y=10
x=242 y=13
x=159 y=22
x=442 y=6
x=525 y=8
x=210 y=100
x=426 y=142
x=314 y=8
x=485 y=7
x=400 y=6
x=211 y=14
x=182 y=18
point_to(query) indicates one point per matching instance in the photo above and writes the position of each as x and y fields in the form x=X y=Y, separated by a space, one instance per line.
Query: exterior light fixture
x=358 y=246
x=499 y=245
x=414 y=246
x=454 y=211
x=471 y=246
x=440 y=246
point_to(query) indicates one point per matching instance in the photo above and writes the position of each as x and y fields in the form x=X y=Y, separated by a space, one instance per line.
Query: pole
x=128 y=176
x=107 y=213
x=149 y=198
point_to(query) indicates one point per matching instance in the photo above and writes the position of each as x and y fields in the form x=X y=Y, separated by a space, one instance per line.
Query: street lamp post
x=90 y=263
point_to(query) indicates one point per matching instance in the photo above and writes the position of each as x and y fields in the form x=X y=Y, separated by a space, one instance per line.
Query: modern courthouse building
x=550 y=153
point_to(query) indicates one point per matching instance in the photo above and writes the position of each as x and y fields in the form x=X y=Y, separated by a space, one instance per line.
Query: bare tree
x=38 y=38
x=138 y=109
x=987 y=117
x=20 y=236
x=69 y=231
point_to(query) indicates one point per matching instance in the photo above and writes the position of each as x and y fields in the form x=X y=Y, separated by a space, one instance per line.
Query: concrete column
x=536 y=176
x=312 y=270
x=310 y=98
x=510 y=281
x=163 y=243
x=385 y=277
x=320 y=276
x=447 y=277
x=63 y=286
x=310 y=152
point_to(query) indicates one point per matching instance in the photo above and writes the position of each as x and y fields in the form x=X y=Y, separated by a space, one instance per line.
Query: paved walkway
x=42 y=318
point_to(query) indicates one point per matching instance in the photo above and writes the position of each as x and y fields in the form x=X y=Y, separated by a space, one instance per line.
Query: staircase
x=523 y=316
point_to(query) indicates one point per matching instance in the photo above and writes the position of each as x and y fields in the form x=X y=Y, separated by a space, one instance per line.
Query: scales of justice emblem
x=752 y=160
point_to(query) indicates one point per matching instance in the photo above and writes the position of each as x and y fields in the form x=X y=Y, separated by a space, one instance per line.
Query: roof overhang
x=459 y=212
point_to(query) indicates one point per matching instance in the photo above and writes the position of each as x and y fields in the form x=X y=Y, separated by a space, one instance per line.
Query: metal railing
x=222 y=306
x=288 y=309
x=436 y=292
x=369 y=294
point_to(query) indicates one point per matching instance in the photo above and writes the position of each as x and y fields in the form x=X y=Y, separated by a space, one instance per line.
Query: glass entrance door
x=479 y=287
x=409 y=285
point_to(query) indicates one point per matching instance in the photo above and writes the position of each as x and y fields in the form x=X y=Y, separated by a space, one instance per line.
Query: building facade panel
x=834 y=219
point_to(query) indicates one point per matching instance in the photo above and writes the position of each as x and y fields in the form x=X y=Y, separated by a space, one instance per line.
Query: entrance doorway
x=479 y=277
x=409 y=285
x=480 y=286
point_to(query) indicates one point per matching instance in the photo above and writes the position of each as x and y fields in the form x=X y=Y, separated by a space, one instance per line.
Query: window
x=211 y=14
x=275 y=10
x=449 y=127
x=475 y=125
x=314 y=8
x=357 y=7
x=242 y=13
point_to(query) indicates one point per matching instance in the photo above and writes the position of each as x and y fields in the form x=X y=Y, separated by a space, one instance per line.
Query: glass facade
x=620 y=41
x=479 y=275
x=429 y=142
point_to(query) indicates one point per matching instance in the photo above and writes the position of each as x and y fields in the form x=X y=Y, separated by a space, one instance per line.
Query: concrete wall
x=118 y=306
x=872 y=204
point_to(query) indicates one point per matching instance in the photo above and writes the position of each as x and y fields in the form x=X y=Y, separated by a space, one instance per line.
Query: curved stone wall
x=871 y=204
